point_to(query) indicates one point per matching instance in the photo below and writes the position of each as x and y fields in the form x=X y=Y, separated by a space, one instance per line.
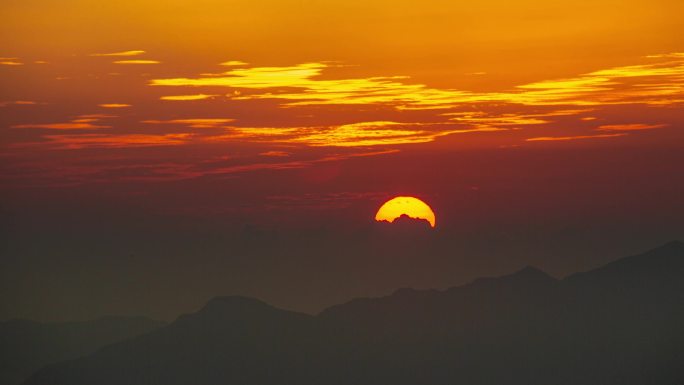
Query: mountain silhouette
x=26 y=346
x=404 y=224
x=618 y=324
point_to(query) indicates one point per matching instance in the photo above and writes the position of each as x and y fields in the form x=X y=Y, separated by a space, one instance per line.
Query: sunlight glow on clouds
x=275 y=153
x=509 y=120
x=18 y=103
x=10 y=61
x=294 y=116
x=363 y=134
x=114 y=141
x=187 y=97
x=194 y=123
x=630 y=127
x=114 y=105
x=157 y=91
x=137 y=61
x=301 y=85
x=83 y=122
x=62 y=126
x=369 y=134
x=122 y=53
x=565 y=138
x=234 y=63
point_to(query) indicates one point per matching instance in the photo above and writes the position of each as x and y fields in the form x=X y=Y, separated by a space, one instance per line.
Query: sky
x=156 y=154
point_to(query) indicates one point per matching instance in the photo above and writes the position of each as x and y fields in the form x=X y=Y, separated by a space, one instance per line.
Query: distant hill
x=620 y=324
x=26 y=346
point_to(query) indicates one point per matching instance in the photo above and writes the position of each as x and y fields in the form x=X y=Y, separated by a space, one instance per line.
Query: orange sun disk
x=410 y=206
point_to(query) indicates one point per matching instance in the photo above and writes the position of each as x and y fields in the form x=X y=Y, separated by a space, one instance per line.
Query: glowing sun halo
x=410 y=206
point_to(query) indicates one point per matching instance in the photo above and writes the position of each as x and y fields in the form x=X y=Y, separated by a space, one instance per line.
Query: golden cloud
x=137 y=61
x=361 y=134
x=566 y=138
x=234 y=63
x=115 y=141
x=275 y=153
x=122 y=53
x=79 y=124
x=18 y=103
x=10 y=61
x=661 y=82
x=630 y=127
x=187 y=97
x=194 y=123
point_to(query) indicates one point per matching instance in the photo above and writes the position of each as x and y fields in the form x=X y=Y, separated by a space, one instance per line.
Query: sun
x=410 y=206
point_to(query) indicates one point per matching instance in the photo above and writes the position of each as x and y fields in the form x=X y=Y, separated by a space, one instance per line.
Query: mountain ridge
x=521 y=328
x=27 y=345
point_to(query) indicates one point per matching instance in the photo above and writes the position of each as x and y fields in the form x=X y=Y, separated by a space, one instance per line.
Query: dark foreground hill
x=619 y=324
x=26 y=346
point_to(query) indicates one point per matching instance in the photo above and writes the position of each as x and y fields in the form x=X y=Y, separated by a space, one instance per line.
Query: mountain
x=26 y=346
x=618 y=324
x=404 y=225
x=660 y=269
x=230 y=340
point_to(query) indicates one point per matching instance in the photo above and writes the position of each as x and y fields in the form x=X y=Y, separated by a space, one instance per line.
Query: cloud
x=483 y=119
x=566 y=138
x=96 y=116
x=62 y=126
x=630 y=127
x=234 y=63
x=187 y=97
x=279 y=154
x=122 y=53
x=666 y=55
x=194 y=123
x=82 y=122
x=18 y=103
x=137 y=61
x=314 y=201
x=309 y=89
x=311 y=110
x=369 y=134
x=10 y=61
x=658 y=82
x=363 y=134
x=295 y=164
x=114 y=105
x=114 y=141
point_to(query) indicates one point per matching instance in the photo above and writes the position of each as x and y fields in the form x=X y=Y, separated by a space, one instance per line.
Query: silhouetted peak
x=670 y=247
x=122 y=318
x=528 y=274
x=531 y=272
x=403 y=218
x=411 y=292
x=668 y=255
x=406 y=223
x=235 y=305
x=405 y=291
x=527 y=277
x=223 y=314
x=659 y=265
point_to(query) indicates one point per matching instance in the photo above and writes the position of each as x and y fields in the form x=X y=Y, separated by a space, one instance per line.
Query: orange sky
x=540 y=132
x=367 y=75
